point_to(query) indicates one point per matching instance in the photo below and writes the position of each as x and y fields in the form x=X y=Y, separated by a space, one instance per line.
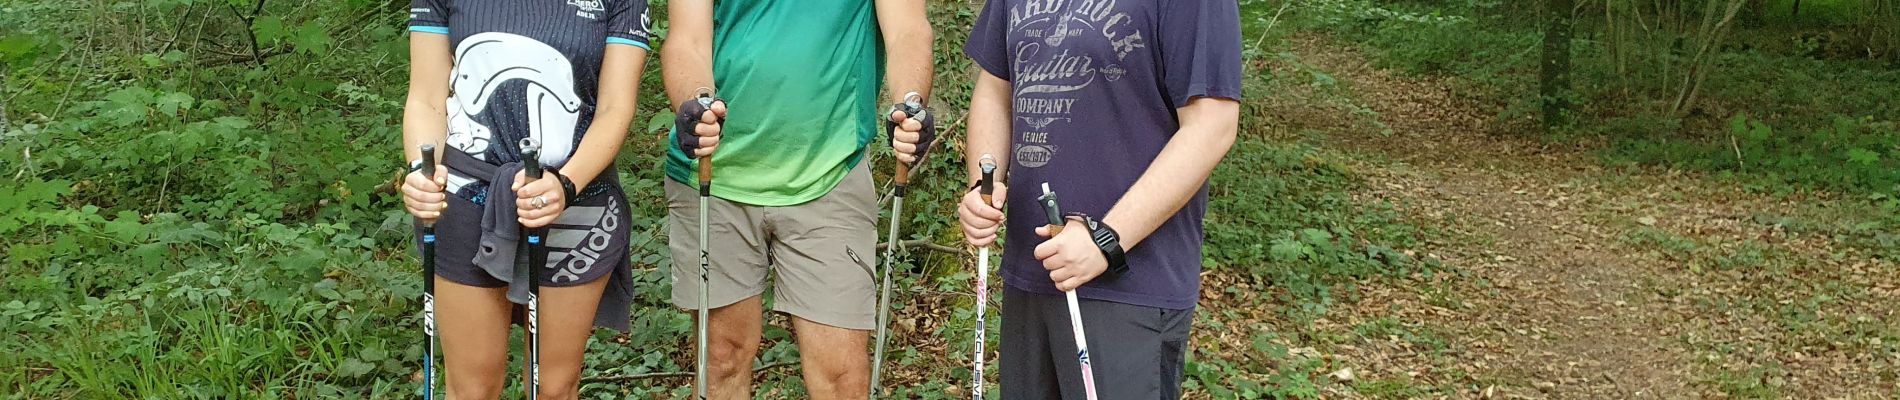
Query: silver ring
x=538 y=202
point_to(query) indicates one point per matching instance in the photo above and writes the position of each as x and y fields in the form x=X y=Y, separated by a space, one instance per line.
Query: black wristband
x=1108 y=241
x=568 y=191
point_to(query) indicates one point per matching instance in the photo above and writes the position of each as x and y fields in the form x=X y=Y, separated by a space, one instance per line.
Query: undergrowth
x=196 y=201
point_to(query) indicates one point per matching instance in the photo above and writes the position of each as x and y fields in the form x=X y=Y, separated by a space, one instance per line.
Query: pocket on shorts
x=679 y=195
x=860 y=189
x=1176 y=329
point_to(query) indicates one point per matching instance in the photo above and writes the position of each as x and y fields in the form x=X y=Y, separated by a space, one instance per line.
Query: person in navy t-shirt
x=485 y=74
x=1123 y=107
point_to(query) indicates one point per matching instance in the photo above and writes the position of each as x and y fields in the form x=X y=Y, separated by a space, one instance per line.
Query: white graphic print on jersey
x=483 y=62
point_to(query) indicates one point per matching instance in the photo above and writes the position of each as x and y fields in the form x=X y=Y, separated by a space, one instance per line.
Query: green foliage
x=1296 y=227
x=1838 y=127
x=1667 y=244
x=196 y=202
x=1850 y=153
x=1820 y=12
x=178 y=221
x=1431 y=41
x=1294 y=376
x=1391 y=328
x=1395 y=388
x=1762 y=382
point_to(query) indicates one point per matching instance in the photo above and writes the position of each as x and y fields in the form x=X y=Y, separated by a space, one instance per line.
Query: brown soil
x=1553 y=299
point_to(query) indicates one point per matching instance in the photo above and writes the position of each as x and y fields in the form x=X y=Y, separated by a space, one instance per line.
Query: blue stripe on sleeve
x=629 y=42
x=439 y=30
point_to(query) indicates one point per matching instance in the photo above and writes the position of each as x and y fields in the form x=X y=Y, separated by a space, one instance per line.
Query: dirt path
x=1564 y=297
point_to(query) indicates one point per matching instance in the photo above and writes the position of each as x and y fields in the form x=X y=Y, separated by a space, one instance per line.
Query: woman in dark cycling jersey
x=484 y=75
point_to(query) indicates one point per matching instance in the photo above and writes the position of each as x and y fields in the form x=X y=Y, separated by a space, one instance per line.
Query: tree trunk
x=3 y=105
x=1711 y=35
x=1554 y=89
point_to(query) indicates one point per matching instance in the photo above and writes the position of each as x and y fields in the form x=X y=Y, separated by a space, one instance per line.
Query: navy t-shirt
x=525 y=69
x=1095 y=85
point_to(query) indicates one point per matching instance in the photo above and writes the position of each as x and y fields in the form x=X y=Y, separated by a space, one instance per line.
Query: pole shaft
x=982 y=302
x=884 y=295
x=428 y=284
x=705 y=274
x=531 y=171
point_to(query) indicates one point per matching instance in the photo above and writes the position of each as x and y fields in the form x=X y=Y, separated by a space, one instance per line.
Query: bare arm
x=615 y=106
x=988 y=125
x=988 y=134
x=908 y=43
x=425 y=120
x=538 y=203
x=1208 y=129
x=425 y=114
x=686 y=57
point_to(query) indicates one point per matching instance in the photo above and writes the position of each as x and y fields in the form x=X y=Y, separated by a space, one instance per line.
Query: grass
x=1392 y=388
x=1756 y=383
x=1826 y=123
x=1757 y=304
x=1390 y=328
x=1666 y=244
x=1799 y=127
x=179 y=226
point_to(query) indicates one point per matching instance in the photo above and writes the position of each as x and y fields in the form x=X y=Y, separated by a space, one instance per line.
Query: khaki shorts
x=821 y=253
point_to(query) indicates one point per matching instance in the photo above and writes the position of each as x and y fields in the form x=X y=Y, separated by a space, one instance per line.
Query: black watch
x=1108 y=241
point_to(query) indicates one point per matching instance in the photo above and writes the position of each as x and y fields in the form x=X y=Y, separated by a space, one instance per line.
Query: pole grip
x=1053 y=211
x=705 y=176
x=912 y=103
x=428 y=171
x=706 y=99
x=428 y=160
x=531 y=159
x=987 y=184
x=903 y=174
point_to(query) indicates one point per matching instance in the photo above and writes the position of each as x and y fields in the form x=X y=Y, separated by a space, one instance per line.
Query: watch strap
x=1107 y=240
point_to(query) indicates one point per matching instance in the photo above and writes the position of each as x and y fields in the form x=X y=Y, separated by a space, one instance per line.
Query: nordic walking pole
x=1056 y=222
x=913 y=108
x=428 y=285
x=706 y=99
x=985 y=186
x=531 y=168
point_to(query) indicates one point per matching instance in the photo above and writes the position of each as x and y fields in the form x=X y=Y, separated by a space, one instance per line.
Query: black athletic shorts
x=586 y=243
x=1137 y=352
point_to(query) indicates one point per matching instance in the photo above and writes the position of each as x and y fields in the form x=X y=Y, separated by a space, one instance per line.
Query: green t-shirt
x=800 y=80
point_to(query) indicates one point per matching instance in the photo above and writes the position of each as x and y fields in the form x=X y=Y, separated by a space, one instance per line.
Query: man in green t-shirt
x=792 y=203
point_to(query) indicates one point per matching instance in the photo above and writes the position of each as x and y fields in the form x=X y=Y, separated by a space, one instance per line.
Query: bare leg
x=734 y=342
x=567 y=320
x=473 y=325
x=834 y=360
